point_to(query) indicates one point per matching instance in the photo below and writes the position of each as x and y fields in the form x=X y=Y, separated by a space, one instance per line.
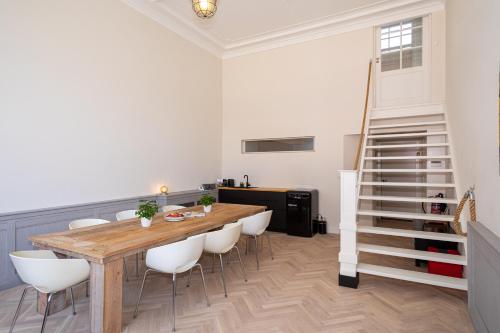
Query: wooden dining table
x=105 y=246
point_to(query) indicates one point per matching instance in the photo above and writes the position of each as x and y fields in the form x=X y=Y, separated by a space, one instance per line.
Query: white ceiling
x=245 y=26
x=237 y=20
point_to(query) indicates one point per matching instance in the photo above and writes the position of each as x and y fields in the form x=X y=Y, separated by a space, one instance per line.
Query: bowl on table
x=174 y=217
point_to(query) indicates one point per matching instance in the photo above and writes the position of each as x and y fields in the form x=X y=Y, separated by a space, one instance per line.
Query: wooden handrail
x=363 y=123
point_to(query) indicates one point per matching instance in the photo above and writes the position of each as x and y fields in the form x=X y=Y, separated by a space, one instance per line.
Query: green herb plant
x=207 y=200
x=147 y=209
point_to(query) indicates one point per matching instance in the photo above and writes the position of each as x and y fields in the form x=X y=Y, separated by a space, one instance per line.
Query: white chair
x=126 y=215
x=221 y=242
x=43 y=271
x=169 y=208
x=83 y=223
x=174 y=259
x=255 y=226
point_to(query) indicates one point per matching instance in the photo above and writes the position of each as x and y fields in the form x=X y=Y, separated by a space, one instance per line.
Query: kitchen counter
x=273 y=198
x=258 y=189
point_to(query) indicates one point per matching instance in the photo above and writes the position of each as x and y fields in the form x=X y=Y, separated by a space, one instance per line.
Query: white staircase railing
x=348 y=255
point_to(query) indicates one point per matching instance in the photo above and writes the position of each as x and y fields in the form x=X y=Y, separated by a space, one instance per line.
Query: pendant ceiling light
x=205 y=8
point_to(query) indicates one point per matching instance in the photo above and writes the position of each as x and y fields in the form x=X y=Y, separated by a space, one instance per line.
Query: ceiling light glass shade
x=205 y=8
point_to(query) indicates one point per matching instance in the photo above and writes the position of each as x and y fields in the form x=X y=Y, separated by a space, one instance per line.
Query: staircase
x=405 y=161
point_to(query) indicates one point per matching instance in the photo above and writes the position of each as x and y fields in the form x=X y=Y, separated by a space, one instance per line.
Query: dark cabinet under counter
x=273 y=198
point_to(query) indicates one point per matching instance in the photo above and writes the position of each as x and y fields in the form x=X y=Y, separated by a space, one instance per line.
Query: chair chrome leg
x=256 y=251
x=140 y=292
x=270 y=247
x=18 y=310
x=213 y=263
x=204 y=285
x=72 y=300
x=189 y=278
x=222 y=274
x=229 y=256
x=49 y=299
x=173 y=301
x=241 y=264
x=137 y=264
x=125 y=269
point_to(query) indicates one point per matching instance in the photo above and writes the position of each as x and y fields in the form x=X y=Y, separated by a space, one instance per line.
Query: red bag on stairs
x=442 y=268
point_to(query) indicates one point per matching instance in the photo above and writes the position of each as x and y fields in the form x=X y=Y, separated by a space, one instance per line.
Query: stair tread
x=406 y=135
x=422 y=123
x=406 y=184
x=383 y=158
x=408 y=170
x=412 y=234
x=413 y=254
x=420 y=277
x=404 y=115
x=407 y=215
x=411 y=145
x=408 y=199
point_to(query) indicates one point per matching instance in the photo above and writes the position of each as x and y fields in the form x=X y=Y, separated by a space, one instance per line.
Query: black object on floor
x=423 y=244
x=349 y=281
x=301 y=207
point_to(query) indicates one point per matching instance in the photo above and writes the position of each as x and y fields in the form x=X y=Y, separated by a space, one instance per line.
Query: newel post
x=348 y=256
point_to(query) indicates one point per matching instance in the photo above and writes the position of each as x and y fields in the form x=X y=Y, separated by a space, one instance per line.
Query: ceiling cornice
x=174 y=22
x=364 y=17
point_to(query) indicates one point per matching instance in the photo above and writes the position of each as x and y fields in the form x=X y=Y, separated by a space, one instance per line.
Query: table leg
x=106 y=297
x=58 y=302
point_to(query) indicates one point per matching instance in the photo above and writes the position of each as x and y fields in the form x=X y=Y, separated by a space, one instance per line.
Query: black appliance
x=230 y=182
x=301 y=209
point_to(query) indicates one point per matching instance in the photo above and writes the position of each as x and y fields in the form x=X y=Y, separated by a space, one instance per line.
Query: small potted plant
x=146 y=211
x=207 y=201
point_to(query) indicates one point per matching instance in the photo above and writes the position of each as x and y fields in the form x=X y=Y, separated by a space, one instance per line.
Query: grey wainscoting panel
x=484 y=278
x=17 y=227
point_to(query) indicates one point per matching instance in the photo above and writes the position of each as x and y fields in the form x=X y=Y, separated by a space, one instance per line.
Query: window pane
x=278 y=145
x=394 y=42
x=412 y=57
x=406 y=40
x=415 y=22
x=384 y=44
x=390 y=61
x=412 y=37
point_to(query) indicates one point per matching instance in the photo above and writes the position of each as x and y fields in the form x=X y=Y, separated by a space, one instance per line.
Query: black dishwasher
x=301 y=208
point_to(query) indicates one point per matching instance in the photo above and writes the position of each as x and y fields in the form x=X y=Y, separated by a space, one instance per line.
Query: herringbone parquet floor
x=295 y=292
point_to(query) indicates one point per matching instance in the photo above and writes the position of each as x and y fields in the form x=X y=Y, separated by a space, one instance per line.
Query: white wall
x=473 y=57
x=99 y=102
x=314 y=88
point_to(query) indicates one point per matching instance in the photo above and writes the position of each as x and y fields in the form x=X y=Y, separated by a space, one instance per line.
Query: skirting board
x=483 y=278
x=17 y=227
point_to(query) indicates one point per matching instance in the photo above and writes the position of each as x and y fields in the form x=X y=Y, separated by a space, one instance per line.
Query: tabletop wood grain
x=108 y=242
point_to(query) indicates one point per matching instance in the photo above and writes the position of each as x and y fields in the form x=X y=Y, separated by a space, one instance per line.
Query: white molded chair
x=48 y=274
x=169 y=208
x=175 y=258
x=83 y=223
x=254 y=226
x=221 y=242
x=126 y=215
